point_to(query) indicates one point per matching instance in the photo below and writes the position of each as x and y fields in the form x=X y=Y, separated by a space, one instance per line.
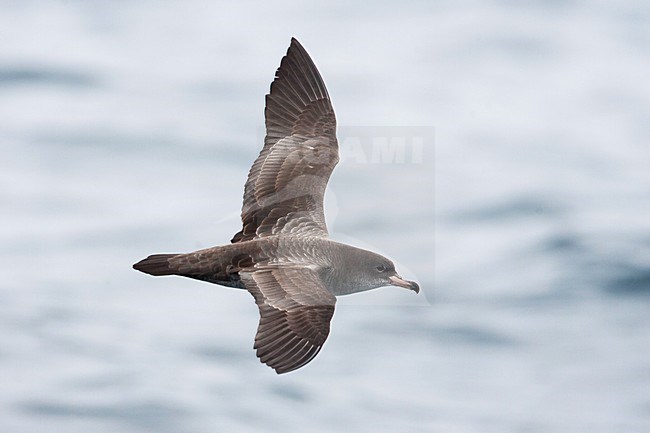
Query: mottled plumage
x=286 y=184
x=282 y=255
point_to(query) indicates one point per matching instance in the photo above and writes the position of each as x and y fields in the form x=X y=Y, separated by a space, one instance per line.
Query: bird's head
x=369 y=270
x=382 y=271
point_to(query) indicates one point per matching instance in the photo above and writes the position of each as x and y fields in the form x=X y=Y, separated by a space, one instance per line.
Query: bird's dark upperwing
x=295 y=313
x=286 y=184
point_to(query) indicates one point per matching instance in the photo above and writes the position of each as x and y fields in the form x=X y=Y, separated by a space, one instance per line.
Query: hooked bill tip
x=398 y=281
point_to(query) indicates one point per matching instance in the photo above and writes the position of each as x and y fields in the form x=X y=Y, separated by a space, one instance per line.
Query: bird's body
x=334 y=262
x=283 y=255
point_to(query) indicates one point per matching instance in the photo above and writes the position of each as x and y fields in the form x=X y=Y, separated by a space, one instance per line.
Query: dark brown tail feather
x=157 y=264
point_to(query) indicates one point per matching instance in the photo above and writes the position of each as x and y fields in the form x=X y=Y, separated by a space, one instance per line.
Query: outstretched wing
x=286 y=184
x=295 y=314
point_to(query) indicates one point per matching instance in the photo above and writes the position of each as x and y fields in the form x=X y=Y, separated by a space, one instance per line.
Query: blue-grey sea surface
x=515 y=188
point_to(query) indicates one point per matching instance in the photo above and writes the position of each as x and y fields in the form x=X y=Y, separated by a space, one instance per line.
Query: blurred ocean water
x=127 y=128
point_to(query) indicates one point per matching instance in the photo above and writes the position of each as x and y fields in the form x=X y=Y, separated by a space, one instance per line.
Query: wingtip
x=295 y=43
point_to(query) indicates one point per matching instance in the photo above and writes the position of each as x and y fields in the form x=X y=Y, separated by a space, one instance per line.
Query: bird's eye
x=381 y=268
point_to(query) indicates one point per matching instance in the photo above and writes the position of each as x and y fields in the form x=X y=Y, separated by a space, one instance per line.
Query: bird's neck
x=342 y=277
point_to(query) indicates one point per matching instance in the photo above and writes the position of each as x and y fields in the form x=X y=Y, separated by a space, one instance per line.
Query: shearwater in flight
x=282 y=254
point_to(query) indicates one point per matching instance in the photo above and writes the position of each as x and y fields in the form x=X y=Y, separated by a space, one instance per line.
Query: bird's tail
x=157 y=264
